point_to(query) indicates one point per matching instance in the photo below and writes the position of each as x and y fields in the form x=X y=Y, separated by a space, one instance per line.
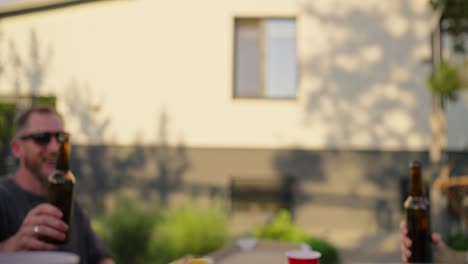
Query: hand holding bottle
x=418 y=222
x=42 y=222
x=405 y=241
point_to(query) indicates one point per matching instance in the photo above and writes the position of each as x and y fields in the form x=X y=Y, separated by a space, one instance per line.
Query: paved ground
x=372 y=248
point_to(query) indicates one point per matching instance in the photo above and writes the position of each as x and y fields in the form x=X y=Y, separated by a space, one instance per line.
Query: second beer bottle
x=417 y=207
x=62 y=184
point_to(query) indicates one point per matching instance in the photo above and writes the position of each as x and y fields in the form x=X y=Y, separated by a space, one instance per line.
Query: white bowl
x=247 y=243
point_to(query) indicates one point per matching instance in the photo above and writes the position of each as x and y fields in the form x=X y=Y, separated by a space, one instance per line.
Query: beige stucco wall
x=145 y=70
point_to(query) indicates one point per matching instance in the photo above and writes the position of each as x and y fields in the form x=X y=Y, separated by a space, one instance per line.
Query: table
x=255 y=257
x=263 y=251
x=39 y=257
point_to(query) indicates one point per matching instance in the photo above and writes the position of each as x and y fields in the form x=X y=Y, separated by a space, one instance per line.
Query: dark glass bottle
x=61 y=186
x=417 y=207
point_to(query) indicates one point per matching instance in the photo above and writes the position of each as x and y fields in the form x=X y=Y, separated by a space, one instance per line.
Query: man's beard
x=35 y=169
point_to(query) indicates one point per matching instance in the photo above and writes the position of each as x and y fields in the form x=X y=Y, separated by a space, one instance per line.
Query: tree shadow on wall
x=340 y=178
x=28 y=74
x=92 y=164
x=363 y=82
x=171 y=164
x=25 y=75
x=157 y=171
x=361 y=88
x=153 y=173
x=299 y=164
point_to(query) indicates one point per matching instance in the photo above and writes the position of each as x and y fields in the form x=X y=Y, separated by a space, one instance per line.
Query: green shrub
x=329 y=252
x=137 y=235
x=283 y=229
x=126 y=231
x=458 y=239
x=187 y=230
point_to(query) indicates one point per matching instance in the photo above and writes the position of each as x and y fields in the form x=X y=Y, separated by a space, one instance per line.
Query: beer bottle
x=418 y=217
x=61 y=185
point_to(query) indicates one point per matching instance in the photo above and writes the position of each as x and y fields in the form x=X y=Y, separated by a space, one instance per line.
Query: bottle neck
x=63 y=161
x=416 y=182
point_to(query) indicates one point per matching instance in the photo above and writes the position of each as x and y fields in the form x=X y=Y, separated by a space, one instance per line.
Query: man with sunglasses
x=25 y=216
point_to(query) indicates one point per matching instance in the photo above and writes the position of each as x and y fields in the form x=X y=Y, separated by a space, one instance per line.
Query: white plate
x=39 y=257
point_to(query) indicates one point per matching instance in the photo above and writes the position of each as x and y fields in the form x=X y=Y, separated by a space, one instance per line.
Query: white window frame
x=261 y=92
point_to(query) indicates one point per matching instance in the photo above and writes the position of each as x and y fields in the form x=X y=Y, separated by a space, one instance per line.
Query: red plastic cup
x=303 y=257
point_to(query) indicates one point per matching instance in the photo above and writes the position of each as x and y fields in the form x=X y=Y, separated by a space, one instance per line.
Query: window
x=265 y=58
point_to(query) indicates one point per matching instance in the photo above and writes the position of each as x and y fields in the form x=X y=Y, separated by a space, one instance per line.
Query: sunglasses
x=43 y=138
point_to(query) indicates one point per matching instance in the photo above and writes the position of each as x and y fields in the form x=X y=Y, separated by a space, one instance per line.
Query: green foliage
x=187 y=230
x=458 y=239
x=44 y=101
x=7 y=114
x=454 y=20
x=137 y=235
x=446 y=80
x=330 y=254
x=126 y=231
x=283 y=229
x=140 y=235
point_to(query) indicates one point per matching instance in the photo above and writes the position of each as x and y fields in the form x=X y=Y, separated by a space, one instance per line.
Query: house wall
x=124 y=69
x=346 y=197
x=146 y=88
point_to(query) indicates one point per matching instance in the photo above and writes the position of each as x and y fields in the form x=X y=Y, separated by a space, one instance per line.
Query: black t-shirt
x=15 y=203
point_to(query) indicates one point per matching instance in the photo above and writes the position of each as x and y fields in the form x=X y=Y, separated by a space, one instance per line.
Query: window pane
x=247 y=58
x=281 y=66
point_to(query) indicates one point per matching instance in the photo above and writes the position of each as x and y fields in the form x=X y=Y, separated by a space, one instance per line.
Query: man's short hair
x=22 y=119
